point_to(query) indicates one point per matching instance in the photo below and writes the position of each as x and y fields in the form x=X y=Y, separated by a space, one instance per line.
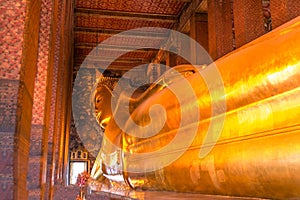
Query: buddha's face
x=102 y=104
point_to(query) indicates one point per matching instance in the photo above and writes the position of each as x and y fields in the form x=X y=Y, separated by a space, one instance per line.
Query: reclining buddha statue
x=191 y=132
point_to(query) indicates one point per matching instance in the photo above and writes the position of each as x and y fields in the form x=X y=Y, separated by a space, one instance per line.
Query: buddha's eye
x=99 y=99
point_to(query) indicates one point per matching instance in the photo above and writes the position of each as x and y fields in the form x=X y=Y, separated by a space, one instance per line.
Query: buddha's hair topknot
x=107 y=82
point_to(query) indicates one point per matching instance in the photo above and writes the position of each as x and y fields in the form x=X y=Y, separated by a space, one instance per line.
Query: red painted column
x=19 y=41
x=25 y=98
x=38 y=128
x=199 y=32
x=171 y=59
x=248 y=20
x=220 y=33
x=283 y=11
x=13 y=17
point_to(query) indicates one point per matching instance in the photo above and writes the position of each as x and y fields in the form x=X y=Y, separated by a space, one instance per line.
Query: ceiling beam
x=124 y=15
x=202 y=7
x=107 y=59
x=138 y=34
x=107 y=65
x=113 y=48
x=111 y=67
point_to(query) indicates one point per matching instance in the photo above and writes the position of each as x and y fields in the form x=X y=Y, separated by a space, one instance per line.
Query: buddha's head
x=102 y=100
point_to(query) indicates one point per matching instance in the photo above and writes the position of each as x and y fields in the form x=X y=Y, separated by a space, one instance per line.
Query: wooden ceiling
x=98 y=20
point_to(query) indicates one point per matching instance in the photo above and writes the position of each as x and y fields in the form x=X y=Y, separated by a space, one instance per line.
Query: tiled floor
x=159 y=195
x=149 y=195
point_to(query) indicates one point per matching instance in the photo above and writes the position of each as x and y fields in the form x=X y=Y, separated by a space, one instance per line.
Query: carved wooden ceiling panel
x=97 y=20
x=90 y=38
x=170 y=7
x=109 y=54
x=89 y=21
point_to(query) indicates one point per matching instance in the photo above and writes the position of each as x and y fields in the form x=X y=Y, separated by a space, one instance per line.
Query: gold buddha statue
x=102 y=100
x=251 y=145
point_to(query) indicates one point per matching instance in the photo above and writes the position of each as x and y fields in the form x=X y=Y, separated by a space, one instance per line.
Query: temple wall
x=233 y=23
x=248 y=21
x=283 y=10
x=18 y=69
x=220 y=33
x=31 y=41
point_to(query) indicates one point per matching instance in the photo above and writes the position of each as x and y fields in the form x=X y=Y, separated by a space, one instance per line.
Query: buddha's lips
x=98 y=116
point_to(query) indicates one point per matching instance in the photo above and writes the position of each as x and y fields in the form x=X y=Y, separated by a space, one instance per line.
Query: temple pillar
x=58 y=111
x=27 y=117
x=199 y=32
x=38 y=129
x=171 y=59
x=52 y=109
x=18 y=70
x=220 y=33
x=185 y=49
x=283 y=10
x=153 y=72
x=248 y=20
x=25 y=98
x=13 y=14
